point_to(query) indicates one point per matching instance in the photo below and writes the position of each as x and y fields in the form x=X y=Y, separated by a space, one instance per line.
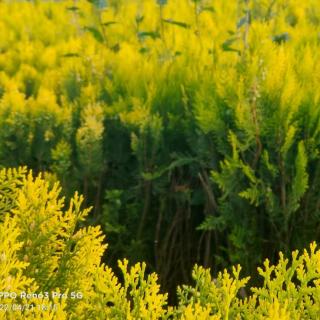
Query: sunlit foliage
x=45 y=250
x=192 y=127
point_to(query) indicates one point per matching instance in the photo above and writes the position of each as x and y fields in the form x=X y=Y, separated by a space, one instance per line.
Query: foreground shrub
x=44 y=249
x=290 y=291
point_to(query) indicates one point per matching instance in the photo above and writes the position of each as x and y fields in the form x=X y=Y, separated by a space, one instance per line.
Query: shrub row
x=52 y=263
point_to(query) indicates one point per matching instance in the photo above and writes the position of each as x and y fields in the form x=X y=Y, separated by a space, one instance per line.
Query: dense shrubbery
x=191 y=126
x=45 y=248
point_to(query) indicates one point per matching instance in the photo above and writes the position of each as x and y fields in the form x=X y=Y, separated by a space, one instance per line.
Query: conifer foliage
x=46 y=251
x=192 y=128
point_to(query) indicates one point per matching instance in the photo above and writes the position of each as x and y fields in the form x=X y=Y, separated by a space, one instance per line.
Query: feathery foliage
x=45 y=251
x=191 y=127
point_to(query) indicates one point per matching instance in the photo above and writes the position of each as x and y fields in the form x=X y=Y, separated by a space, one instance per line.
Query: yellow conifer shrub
x=51 y=268
x=45 y=251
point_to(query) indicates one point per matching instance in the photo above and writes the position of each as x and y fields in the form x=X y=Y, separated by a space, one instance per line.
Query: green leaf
x=226 y=46
x=151 y=34
x=289 y=140
x=281 y=38
x=162 y=2
x=115 y=48
x=144 y=50
x=251 y=194
x=213 y=223
x=139 y=19
x=177 y=163
x=208 y=8
x=300 y=181
x=73 y=8
x=177 y=23
x=96 y=33
x=244 y=20
x=109 y=23
x=71 y=55
x=267 y=163
x=100 y=4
